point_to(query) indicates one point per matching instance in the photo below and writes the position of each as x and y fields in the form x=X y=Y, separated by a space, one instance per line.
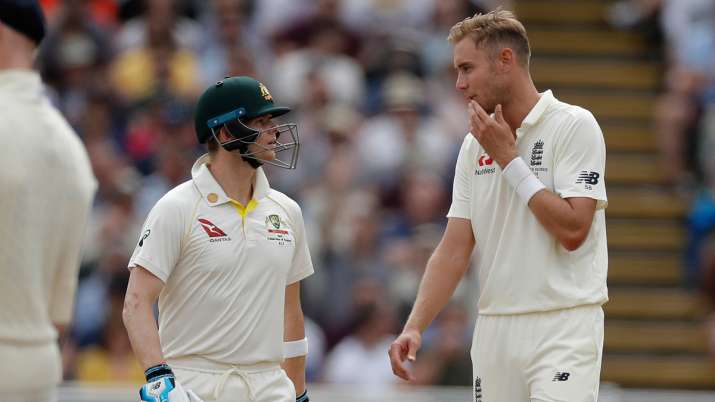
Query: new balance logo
x=211 y=229
x=588 y=177
x=561 y=376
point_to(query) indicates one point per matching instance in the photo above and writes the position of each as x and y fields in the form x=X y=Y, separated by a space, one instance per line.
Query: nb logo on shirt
x=561 y=376
x=587 y=177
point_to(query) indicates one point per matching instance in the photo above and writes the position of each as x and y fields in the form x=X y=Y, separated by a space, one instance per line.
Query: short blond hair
x=498 y=27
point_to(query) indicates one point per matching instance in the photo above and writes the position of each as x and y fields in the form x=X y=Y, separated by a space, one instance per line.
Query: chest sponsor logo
x=215 y=233
x=485 y=165
x=588 y=179
x=277 y=233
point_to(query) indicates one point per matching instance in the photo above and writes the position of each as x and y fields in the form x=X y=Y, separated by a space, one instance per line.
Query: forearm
x=294 y=330
x=142 y=330
x=568 y=220
x=443 y=273
x=560 y=218
x=295 y=368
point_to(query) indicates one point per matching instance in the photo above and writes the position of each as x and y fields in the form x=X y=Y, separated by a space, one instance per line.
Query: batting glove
x=303 y=397
x=161 y=386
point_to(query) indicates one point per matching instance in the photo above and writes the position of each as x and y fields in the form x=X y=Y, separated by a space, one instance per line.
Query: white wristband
x=295 y=348
x=522 y=179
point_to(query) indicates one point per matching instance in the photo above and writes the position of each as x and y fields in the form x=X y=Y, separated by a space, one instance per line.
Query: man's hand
x=404 y=347
x=493 y=134
x=166 y=389
x=161 y=386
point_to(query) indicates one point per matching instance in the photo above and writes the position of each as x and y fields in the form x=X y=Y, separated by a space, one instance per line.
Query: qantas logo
x=211 y=229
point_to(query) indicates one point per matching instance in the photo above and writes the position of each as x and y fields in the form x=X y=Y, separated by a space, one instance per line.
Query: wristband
x=295 y=348
x=158 y=371
x=522 y=179
x=303 y=397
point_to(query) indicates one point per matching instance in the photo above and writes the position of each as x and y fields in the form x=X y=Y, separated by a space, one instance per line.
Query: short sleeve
x=159 y=244
x=580 y=160
x=462 y=187
x=301 y=265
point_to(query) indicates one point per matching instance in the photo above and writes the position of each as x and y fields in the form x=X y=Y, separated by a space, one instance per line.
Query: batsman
x=224 y=253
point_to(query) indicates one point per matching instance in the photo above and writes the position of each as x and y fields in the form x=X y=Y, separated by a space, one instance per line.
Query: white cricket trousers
x=41 y=395
x=552 y=356
x=266 y=382
x=29 y=372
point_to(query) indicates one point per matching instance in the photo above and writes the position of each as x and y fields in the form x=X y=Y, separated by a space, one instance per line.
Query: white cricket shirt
x=225 y=268
x=521 y=267
x=46 y=193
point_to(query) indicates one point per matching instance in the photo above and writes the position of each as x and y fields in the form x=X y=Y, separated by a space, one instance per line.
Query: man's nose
x=461 y=83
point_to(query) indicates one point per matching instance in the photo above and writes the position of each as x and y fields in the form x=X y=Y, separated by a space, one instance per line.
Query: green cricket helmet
x=229 y=104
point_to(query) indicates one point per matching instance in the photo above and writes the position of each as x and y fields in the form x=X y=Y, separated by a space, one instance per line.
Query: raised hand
x=493 y=133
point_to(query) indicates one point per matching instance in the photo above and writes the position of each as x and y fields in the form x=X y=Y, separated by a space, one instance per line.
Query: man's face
x=266 y=141
x=477 y=78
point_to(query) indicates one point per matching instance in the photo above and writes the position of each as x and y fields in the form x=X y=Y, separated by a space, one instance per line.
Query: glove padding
x=166 y=389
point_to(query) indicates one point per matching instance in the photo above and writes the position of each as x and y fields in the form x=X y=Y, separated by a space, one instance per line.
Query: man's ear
x=506 y=59
x=223 y=134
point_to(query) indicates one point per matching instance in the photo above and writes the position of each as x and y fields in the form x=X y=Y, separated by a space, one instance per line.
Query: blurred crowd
x=371 y=84
x=685 y=119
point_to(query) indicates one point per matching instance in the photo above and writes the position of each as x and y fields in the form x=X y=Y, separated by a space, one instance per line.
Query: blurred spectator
x=322 y=59
x=229 y=48
x=708 y=287
x=445 y=357
x=632 y=14
x=160 y=17
x=172 y=167
x=436 y=56
x=403 y=138
x=74 y=58
x=158 y=56
x=316 y=350
x=689 y=27
x=112 y=359
x=684 y=116
x=378 y=16
x=103 y=12
x=360 y=357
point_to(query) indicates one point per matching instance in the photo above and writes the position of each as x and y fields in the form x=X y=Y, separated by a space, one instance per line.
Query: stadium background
x=372 y=86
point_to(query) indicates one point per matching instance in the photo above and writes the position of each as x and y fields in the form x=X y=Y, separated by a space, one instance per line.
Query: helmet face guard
x=285 y=148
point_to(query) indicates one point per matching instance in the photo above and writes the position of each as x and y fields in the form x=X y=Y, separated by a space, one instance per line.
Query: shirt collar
x=546 y=98
x=22 y=83
x=212 y=192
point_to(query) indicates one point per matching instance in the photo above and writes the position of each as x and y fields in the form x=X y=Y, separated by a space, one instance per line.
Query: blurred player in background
x=47 y=190
x=529 y=193
x=224 y=253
